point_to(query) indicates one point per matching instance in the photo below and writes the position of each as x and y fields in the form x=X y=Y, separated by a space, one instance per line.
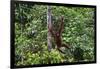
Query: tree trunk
x=49 y=42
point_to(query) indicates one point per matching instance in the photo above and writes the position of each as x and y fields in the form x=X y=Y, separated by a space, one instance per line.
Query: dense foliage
x=31 y=34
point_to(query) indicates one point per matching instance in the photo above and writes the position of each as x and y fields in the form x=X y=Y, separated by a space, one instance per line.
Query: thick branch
x=61 y=25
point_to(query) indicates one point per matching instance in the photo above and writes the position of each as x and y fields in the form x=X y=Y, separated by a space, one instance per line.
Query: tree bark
x=49 y=42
